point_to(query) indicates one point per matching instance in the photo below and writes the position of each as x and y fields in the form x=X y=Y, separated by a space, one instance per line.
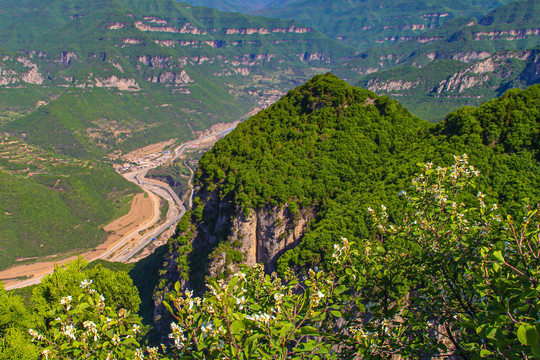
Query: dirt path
x=141 y=212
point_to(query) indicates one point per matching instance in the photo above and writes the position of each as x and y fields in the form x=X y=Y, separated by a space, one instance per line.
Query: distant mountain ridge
x=188 y=63
x=463 y=62
x=365 y=23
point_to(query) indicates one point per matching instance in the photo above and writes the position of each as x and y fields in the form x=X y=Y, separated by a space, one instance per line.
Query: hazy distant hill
x=176 y=69
x=367 y=23
x=463 y=62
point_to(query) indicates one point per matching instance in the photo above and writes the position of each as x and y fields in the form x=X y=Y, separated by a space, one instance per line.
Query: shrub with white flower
x=453 y=279
x=255 y=316
x=84 y=328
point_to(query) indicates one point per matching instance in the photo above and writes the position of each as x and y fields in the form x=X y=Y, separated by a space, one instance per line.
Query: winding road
x=130 y=244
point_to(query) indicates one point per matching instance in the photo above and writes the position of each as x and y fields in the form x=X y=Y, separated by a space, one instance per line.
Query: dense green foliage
x=334 y=149
x=405 y=292
x=71 y=302
x=398 y=287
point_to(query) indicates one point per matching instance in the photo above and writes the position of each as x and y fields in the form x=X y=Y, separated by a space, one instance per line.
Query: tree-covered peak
x=322 y=134
x=508 y=124
x=334 y=150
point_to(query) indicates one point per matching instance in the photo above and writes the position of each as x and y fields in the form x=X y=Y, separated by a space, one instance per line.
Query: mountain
x=175 y=69
x=291 y=180
x=367 y=23
x=84 y=82
x=362 y=23
x=463 y=62
x=242 y=6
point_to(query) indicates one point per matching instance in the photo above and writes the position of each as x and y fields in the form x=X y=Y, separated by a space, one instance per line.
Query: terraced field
x=51 y=203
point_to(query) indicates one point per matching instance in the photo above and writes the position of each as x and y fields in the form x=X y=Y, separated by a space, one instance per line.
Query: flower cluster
x=86 y=327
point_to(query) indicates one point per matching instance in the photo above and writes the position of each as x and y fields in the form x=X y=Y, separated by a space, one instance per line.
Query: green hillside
x=463 y=62
x=85 y=80
x=52 y=204
x=158 y=68
x=502 y=29
x=440 y=256
x=335 y=150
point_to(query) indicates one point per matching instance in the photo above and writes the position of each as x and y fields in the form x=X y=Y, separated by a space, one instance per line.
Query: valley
x=141 y=226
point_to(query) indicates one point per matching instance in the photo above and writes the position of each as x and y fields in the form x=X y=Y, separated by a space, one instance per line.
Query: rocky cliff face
x=497 y=67
x=258 y=236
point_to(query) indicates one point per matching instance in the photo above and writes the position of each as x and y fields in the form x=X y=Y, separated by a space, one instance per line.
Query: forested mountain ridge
x=459 y=222
x=288 y=182
x=363 y=24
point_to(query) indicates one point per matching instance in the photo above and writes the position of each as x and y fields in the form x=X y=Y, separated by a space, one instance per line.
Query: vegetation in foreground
x=453 y=278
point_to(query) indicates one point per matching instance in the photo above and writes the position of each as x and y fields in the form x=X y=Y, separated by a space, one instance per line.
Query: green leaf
x=498 y=255
x=340 y=289
x=304 y=347
x=308 y=330
x=237 y=326
x=484 y=353
x=177 y=286
x=536 y=350
x=168 y=307
x=527 y=335
x=233 y=282
x=336 y=313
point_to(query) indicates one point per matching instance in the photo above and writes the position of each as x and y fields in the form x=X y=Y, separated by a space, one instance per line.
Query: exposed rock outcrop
x=531 y=74
x=67 y=57
x=132 y=41
x=514 y=34
x=392 y=85
x=158 y=62
x=169 y=77
x=116 y=26
x=481 y=71
x=187 y=28
x=33 y=77
x=116 y=82
x=8 y=77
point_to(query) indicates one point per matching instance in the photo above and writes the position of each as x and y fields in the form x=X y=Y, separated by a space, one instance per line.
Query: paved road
x=175 y=213
x=177 y=208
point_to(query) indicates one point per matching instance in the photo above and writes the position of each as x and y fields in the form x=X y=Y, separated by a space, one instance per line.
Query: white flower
x=35 y=335
x=178 y=336
x=86 y=284
x=139 y=355
x=69 y=331
x=65 y=300
x=46 y=353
